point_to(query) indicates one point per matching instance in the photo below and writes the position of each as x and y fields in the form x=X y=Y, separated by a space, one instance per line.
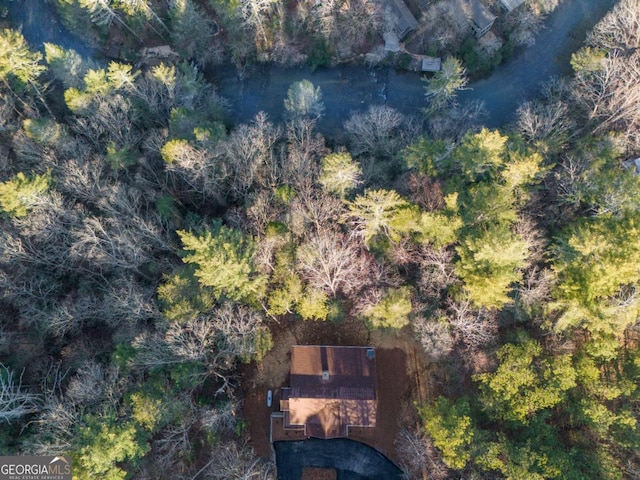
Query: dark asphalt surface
x=347 y=89
x=351 y=460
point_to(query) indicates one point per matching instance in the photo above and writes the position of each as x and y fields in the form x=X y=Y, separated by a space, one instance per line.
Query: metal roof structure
x=479 y=16
x=511 y=4
x=332 y=388
x=405 y=21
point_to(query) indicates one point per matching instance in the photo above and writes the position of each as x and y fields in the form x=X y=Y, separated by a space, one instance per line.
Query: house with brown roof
x=332 y=389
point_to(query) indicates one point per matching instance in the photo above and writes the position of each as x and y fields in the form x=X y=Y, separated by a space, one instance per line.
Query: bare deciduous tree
x=357 y=21
x=173 y=443
x=524 y=23
x=534 y=291
x=619 y=29
x=238 y=462
x=111 y=119
x=263 y=208
x=436 y=271
x=240 y=326
x=545 y=121
x=333 y=262
x=195 y=170
x=454 y=122
x=15 y=401
x=419 y=458
x=56 y=428
x=108 y=244
x=612 y=94
x=447 y=27
x=475 y=328
x=249 y=156
x=221 y=418
x=126 y=301
x=86 y=386
x=299 y=167
x=193 y=341
x=314 y=212
x=376 y=132
x=82 y=179
x=435 y=336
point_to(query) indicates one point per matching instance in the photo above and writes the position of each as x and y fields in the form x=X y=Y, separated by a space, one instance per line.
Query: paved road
x=348 y=88
x=352 y=460
x=351 y=88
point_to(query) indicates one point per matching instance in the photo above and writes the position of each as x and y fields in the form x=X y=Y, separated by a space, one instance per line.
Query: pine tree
x=20 y=194
x=224 y=261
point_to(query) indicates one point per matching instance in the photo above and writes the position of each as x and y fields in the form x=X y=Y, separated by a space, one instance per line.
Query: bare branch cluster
x=419 y=458
x=15 y=401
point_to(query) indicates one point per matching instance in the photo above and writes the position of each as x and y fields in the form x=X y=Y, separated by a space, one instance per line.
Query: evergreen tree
x=393 y=309
x=304 y=100
x=451 y=427
x=598 y=267
x=382 y=212
x=19 y=66
x=525 y=382
x=442 y=87
x=20 y=194
x=340 y=173
x=490 y=262
x=224 y=261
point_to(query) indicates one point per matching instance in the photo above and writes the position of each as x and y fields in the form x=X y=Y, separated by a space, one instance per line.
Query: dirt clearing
x=399 y=366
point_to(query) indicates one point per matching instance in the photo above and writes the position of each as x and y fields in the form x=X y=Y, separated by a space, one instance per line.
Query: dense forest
x=149 y=250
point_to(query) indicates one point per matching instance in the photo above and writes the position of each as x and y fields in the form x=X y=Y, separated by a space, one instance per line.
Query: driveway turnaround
x=351 y=460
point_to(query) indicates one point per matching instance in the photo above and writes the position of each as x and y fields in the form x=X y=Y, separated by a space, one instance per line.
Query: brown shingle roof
x=331 y=389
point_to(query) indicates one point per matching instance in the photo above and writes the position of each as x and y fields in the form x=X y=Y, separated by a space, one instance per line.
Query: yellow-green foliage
x=20 y=194
x=480 y=154
x=425 y=155
x=100 y=82
x=523 y=168
x=119 y=158
x=283 y=298
x=182 y=298
x=262 y=344
x=44 y=131
x=489 y=264
x=525 y=382
x=314 y=304
x=339 y=173
x=441 y=228
x=224 y=261
x=587 y=60
x=174 y=149
x=383 y=212
x=595 y=261
x=66 y=65
x=105 y=447
x=450 y=426
x=18 y=64
x=393 y=310
x=147 y=411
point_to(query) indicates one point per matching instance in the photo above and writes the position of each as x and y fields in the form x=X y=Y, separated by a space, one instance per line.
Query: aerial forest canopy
x=153 y=255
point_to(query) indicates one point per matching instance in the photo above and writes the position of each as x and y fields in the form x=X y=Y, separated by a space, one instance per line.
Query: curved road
x=350 y=88
x=519 y=79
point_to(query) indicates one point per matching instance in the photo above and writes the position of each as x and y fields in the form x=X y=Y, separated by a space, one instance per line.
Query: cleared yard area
x=402 y=378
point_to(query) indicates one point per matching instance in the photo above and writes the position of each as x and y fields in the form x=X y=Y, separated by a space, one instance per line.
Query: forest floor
x=402 y=379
